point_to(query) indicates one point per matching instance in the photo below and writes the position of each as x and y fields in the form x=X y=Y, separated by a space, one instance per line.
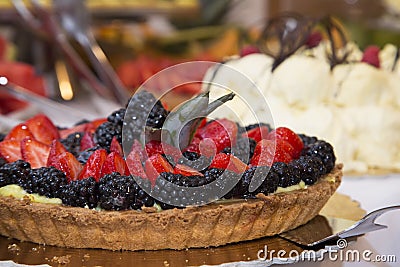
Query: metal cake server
x=324 y=229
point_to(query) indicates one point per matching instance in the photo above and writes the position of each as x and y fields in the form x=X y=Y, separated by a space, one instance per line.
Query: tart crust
x=210 y=225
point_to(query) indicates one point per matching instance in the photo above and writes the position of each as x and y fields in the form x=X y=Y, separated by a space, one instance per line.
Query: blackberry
x=167 y=193
x=252 y=126
x=311 y=168
x=118 y=192
x=270 y=183
x=45 y=181
x=84 y=155
x=2 y=161
x=73 y=142
x=195 y=161
x=324 y=151
x=16 y=172
x=288 y=176
x=213 y=174
x=105 y=133
x=143 y=109
x=117 y=117
x=80 y=193
x=241 y=189
x=2 y=135
x=308 y=140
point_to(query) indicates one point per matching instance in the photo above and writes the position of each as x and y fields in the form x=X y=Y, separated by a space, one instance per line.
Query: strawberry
x=114 y=163
x=56 y=148
x=186 y=170
x=222 y=132
x=371 y=56
x=43 y=129
x=155 y=165
x=156 y=147
x=257 y=133
x=229 y=162
x=267 y=152
x=115 y=146
x=137 y=147
x=10 y=150
x=134 y=163
x=34 y=152
x=83 y=127
x=94 y=165
x=289 y=136
x=19 y=133
x=86 y=141
x=67 y=163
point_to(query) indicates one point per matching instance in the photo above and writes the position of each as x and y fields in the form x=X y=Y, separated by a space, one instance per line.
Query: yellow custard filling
x=13 y=190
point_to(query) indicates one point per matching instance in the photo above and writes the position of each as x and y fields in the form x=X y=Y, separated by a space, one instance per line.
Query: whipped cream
x=354 y=106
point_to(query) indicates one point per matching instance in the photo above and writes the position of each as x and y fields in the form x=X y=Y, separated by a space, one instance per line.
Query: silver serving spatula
x=323 y=229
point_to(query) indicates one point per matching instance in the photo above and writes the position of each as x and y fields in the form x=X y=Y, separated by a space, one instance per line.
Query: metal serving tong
x=53 y=108
x=44 y=23
x=324 y=229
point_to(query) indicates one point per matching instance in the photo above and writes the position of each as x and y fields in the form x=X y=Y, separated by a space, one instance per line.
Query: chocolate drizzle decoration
x=286 y=34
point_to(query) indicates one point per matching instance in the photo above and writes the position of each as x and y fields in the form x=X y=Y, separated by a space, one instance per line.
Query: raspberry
x=371 y=56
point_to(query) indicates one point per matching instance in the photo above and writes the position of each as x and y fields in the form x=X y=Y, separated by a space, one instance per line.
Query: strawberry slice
x=34 y=152
x=257 y=133
x=56 y=148
x=155 y=165
x=94 y=165
x=19 y=133
x=67 y=163
x=222 y=132
x=115 y=146
x=10 y=150
x=156 y=147
x=114 y=163
x=186 y=170
x=289 y=136
x=84 y=127
x=267 y=152
x=134 y=163
x=228 y=162
x=43 y=129
x=86 y=141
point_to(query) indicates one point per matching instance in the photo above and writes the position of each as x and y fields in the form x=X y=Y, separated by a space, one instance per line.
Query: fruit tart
x=127 y=183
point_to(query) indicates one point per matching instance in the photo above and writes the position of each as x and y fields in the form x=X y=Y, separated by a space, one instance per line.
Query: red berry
x=257 y=133
x=186 y=170
x=94 y=165
x=289 y=136
x=249 y=49
x=67 y=163
x=155 y=165
x=228 y=162
x=10 y=150
x=314 y=39
x=19 y=133
x=34 y=152
x=134 y=163
x=114 y=163
x=43 y=129
x=268 y=152
x=222 y=132
x=371 y=56
x=156 y=147
x=56 y=148
x=86 y=141
x=115 y=146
